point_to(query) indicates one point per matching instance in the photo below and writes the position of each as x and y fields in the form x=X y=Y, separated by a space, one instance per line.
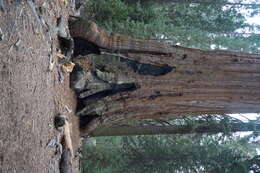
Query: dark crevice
x=153 y=96
x=84 y=47
x=77 y=46
x=83 y=120
x=66 y=46
x=235 y=60
x=133 y=66
x=147 y=69
x=115 y=88
x=184 y=56
x=188 y=72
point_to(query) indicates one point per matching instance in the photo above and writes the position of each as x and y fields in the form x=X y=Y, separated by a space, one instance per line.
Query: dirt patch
x=31 y=94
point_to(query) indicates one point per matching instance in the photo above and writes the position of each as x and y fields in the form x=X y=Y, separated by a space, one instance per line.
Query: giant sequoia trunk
x=148 y=79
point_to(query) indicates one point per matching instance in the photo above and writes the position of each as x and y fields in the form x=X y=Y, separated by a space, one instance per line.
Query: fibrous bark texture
x=166 y=81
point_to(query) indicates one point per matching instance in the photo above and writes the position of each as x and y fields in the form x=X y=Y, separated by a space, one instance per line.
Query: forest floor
x=31 y=93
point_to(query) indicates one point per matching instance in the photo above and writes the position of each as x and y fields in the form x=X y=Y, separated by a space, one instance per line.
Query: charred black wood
x=86 y=119
x=78 y=79
x=116 y=63
x=147 y=69
x=66 y=46
x=113 y=89
x=87 y=106
x=83 y=47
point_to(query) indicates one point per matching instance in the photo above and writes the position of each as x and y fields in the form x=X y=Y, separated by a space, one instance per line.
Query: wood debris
x=67 y=67
x=51 y=64
x=67 y=138
x=60 y=55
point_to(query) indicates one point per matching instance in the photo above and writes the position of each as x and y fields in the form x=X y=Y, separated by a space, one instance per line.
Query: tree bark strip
x=128 y=130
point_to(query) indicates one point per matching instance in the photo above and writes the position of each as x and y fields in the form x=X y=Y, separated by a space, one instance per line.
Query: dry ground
x=30 y=94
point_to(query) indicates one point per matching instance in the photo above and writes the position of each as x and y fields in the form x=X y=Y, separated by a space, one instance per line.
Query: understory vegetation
x=222 y=152
x=170 y=153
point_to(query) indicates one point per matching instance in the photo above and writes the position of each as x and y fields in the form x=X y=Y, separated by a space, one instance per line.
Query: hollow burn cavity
x=84 y=47
x=83 y=120
x=147 y=69
x=66 y=45
x=115 y=88
x=131 y=66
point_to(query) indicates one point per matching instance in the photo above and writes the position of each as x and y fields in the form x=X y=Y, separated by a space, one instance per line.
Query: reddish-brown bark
x=200 y=82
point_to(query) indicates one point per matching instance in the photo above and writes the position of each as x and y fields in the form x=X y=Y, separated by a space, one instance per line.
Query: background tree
x=208 y=124
x=171 y=153
x=198 y=25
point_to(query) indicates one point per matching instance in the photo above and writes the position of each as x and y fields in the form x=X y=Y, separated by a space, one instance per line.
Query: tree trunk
x=128 y=130
x=160 y=80
x=201 y=2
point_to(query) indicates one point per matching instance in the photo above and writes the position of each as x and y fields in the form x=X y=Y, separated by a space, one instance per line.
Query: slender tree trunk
x=160 y=80
x=201 y=2
x=128 y=130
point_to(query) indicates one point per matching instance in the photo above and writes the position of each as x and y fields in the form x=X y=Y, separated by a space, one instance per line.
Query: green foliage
x=209 y=17
x=200 y=25
x=110 y=10
x=168 y=154
x=134 y=20
x=104 y=157
x=186 y=153
x=222 y=152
